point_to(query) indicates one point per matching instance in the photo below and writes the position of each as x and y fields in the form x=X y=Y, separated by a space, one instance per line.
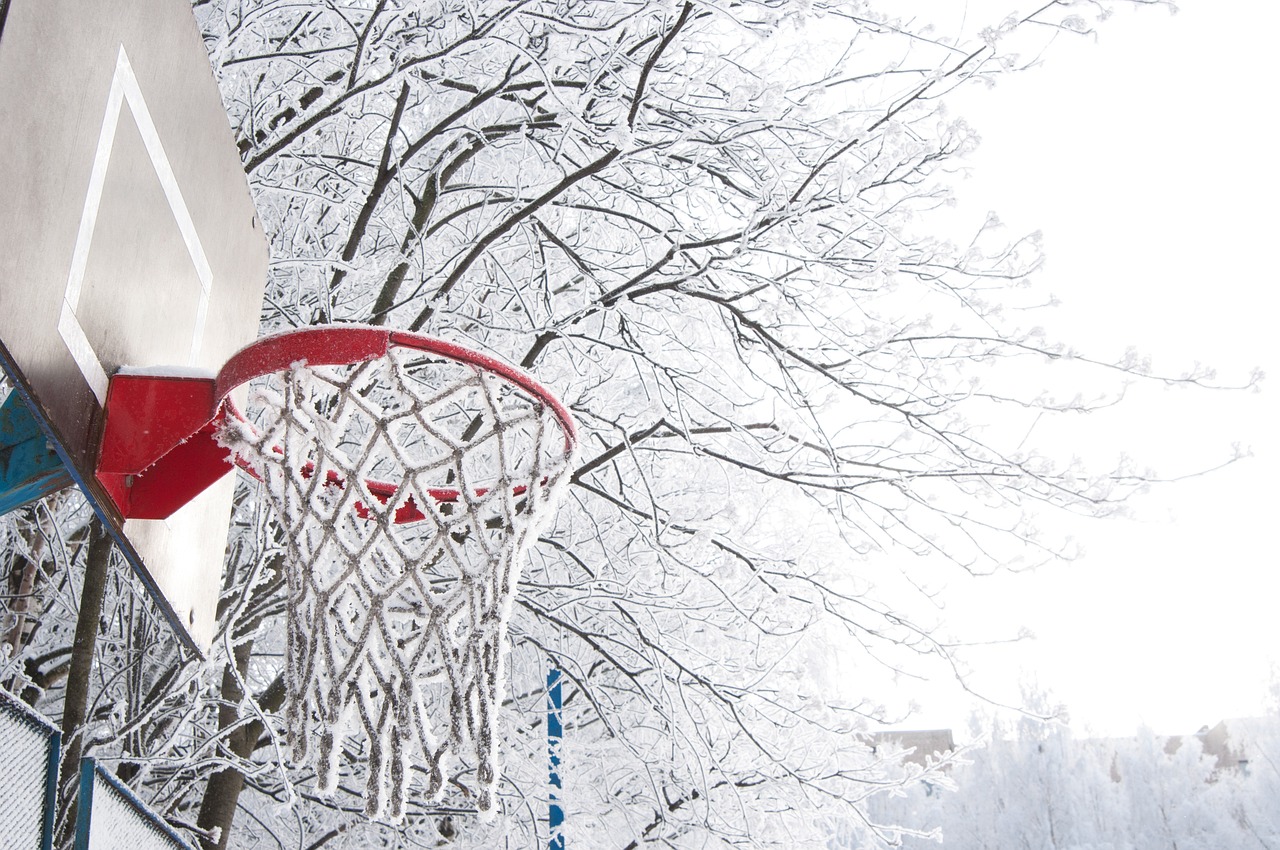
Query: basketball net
x=408 y=488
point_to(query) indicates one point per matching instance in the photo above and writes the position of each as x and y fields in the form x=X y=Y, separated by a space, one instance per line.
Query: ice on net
x=408 y=488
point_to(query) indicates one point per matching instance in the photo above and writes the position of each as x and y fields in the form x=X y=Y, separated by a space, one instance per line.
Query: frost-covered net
x=119 y=821
x=408 y=488
x=26 y=743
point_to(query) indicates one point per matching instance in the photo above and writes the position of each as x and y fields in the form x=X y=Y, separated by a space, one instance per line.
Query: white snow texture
x=24 y=770
x=120 y=821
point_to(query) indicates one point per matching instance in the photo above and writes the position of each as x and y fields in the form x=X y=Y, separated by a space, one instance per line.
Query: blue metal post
x=29 y=467
x=51 y=788
x=555 y=732
x=84 y=803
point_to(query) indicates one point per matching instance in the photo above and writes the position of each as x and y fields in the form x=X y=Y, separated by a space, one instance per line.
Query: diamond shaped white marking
x=125 y=90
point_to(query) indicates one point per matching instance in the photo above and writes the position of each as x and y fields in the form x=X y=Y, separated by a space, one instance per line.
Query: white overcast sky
x=1148 y=158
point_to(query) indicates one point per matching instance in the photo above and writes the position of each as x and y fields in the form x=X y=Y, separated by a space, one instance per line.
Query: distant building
x=1235 y=742
x=924 y=744
x=1232 y=743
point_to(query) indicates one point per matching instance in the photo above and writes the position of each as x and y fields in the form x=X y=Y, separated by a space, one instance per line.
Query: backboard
x=127 y=238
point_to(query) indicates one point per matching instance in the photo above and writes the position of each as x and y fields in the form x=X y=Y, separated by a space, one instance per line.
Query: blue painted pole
x=29 y=467
x=84 y=803
x=51 y=788
x=555 y=732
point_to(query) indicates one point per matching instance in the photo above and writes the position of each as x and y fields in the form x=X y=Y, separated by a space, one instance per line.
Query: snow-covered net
x=28 y=752
x=117 y=820
x=408 y=488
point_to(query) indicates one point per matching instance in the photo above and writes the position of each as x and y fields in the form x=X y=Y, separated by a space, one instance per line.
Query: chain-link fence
x=28 y=776
x=112 y=818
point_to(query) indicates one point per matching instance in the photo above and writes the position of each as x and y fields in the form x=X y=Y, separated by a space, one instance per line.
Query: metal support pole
x=555 y=732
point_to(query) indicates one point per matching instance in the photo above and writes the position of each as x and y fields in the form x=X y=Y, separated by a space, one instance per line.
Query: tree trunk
x=76 y=701
x=222 y=794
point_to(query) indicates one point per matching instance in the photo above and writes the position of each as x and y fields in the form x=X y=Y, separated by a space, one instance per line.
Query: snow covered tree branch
x=707 y=227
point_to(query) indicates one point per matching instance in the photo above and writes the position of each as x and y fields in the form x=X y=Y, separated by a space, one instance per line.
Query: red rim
x=335 y=345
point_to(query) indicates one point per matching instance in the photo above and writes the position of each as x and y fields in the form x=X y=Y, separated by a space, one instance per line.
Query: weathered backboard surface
x=127 y=238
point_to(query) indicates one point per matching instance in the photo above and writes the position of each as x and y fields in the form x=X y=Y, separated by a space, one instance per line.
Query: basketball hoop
x=408 y=475
x=408 y=481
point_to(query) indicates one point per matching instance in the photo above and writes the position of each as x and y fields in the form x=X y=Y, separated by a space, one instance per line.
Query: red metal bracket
x=158 y=447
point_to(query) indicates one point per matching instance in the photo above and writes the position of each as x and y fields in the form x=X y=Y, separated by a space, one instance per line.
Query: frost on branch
x=407 y=489
x=710 y=225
